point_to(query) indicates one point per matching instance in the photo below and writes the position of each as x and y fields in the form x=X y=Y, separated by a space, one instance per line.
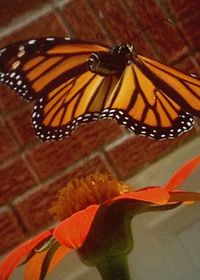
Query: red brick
x=11 y=232
x=138 y=151
x=21 y=125
x=167 y=41
x=162 y=35
x=7 y=145
x=120 y=24
x=191 y=29
x=9 y=100
x=146 y=12
x=47 y=25
x=34 y=209
x=11 y=10
x=49 y=158
x=95 y=165
x=198 y=124
x=197 y=56
x=183 y=8
x=188 y=65
x=15 y=178
x=84 y=22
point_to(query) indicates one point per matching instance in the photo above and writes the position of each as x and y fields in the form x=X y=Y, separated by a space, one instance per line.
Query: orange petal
x=182 y=174
x=15 y=257
x=34 y=266
x=155 y=195
x=73 y=231
x=182 y=196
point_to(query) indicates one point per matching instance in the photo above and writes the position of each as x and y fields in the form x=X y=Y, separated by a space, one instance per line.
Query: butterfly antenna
x=153 y=24
x=142 y=30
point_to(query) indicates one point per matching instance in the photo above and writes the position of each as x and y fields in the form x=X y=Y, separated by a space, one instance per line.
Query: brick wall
x=32 y=172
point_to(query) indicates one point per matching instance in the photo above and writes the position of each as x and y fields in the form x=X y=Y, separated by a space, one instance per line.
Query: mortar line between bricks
x=41 y=182
x=10 y=208
x=22 y=220
x=19 y=143
x=28 y=234
x=23 y=149
x=19 y=220
x=1 y=107
x=104 y=157
x=13 y=136
x=53 y=178
x=25 y=19
x=143 y=34
x=4 y=208
x=197 y=126
x=28 y=17
x=31 y=168
x=187 y=55
x=114 y=169
x=66 y=24
x=19 y=108
x=166 y=12
x=108 y=161
x=27 y=237
x=102 y=23
x=89 y=156
x=83 y=160
x=163 y=155
x=13 y=139
x=18 y=153
x=190 y=51
x=166 y=9
x=127 y=135
x=69 y=168
x=60 y=3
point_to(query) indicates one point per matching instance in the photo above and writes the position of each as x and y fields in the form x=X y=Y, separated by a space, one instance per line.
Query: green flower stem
x=110 y=240
x=115 y=268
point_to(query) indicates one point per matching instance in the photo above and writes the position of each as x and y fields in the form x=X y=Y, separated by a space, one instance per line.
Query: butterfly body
x=76 y=82
x=113 y=62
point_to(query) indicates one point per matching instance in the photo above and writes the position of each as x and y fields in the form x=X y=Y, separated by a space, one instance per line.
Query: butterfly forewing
x=182 y=88
x=34 y=68
x=140 y=106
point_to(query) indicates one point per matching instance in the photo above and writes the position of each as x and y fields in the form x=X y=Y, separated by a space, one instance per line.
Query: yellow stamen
x=80 y=193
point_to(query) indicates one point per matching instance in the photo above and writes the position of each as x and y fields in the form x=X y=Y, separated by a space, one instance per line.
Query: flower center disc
x=80 y=193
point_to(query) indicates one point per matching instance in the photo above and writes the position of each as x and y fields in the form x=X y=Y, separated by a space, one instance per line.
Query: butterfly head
x=124 y=53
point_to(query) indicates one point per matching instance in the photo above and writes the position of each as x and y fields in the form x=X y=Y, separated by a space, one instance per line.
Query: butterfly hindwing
x=79 y=100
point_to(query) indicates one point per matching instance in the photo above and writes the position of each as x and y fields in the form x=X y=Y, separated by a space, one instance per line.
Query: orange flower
x=76 y=230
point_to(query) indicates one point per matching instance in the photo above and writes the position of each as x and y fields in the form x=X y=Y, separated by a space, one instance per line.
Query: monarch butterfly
x=76 y=82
